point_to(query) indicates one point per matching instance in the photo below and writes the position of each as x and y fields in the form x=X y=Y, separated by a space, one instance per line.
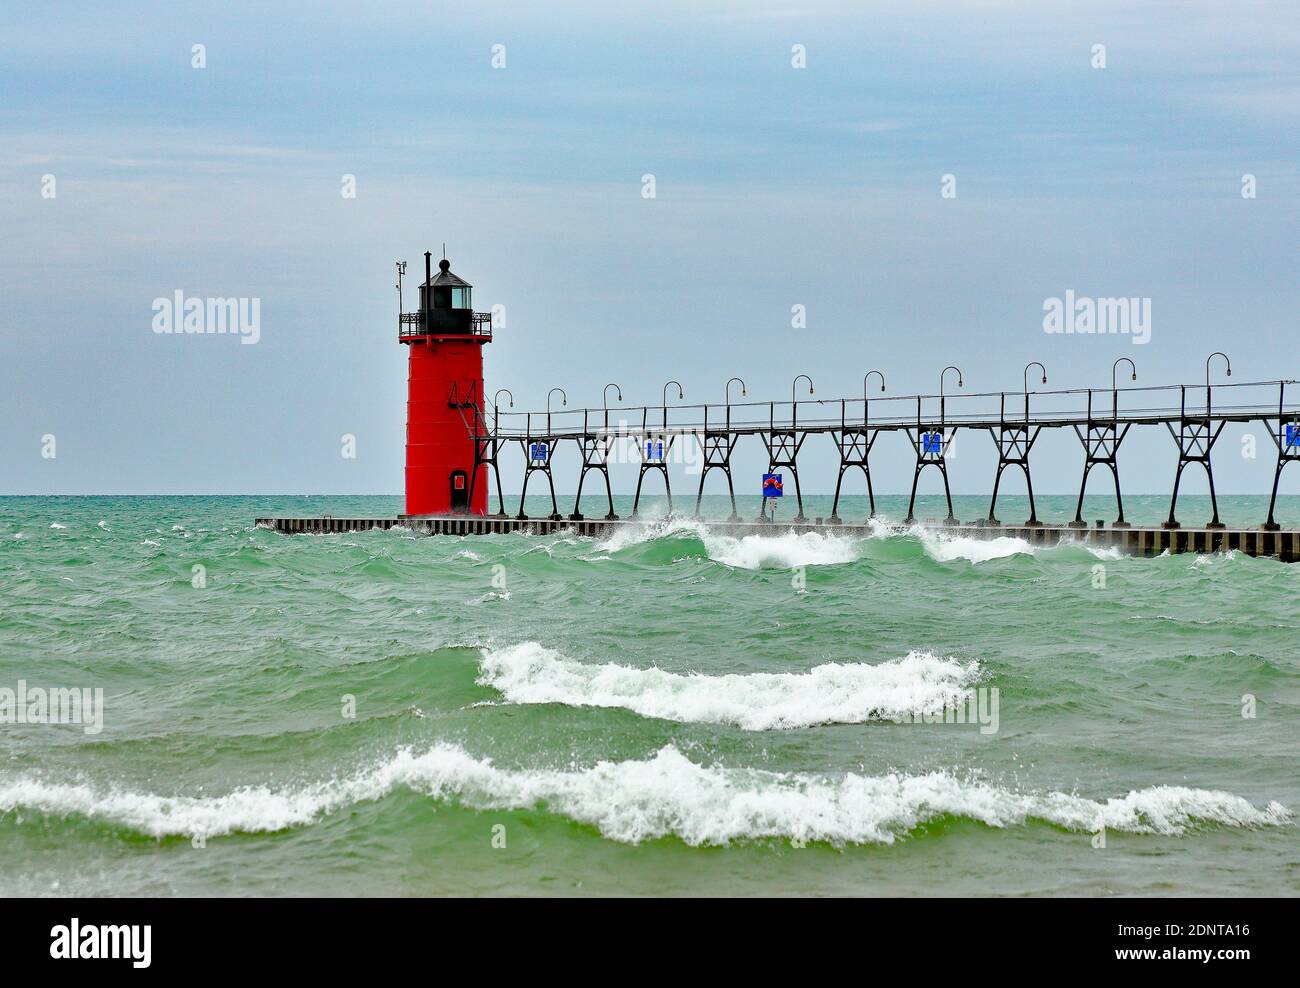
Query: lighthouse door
x=459 y=491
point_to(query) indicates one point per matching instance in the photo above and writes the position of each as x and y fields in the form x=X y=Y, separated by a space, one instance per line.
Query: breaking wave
x=789 y=549
x=665 y=795
x=834 y=693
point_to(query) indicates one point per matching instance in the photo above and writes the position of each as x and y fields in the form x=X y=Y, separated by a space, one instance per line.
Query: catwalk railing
x=1101 y=418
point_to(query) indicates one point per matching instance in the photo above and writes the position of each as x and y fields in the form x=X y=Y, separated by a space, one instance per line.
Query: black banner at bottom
x=366 y=936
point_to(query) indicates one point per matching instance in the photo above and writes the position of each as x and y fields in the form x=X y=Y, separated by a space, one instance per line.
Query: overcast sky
x=775 y=186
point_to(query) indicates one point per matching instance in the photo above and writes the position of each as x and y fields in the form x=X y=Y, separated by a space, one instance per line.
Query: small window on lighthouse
x=460 y=298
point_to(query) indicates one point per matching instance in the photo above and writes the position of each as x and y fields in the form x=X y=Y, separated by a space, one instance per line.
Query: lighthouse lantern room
x=444 y=407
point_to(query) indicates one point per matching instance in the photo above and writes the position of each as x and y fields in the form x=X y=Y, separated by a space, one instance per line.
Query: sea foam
x=833 y=693
x=664 y=795
x=780 y=550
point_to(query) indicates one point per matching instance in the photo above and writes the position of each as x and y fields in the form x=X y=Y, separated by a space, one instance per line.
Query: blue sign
x=1292 y=434
x=654 y=450
x=538 y=452
x=772 y=485
x=932 y=442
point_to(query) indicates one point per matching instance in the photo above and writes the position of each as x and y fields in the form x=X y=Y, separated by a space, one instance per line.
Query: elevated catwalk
x=1282 y=545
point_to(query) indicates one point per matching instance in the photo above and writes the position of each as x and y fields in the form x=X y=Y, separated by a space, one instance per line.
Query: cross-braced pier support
x=485 y=454
x=595 y=456
x=1196 y=437
x=783 y=453
x=717 y=447
x=931 y=444
x=1285 y=430
x=1100 y=444
x=931 y=447
x=1101 y=439
x=1287 y=438
x=855 y=450
x=654 y=451
x=487 y=448
x=1014 y=441
x=538 y=450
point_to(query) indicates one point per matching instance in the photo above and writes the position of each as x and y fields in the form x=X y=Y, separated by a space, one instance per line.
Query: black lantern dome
x=445 y=300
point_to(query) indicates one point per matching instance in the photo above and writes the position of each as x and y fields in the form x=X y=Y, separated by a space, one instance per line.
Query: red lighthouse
x=444 y=407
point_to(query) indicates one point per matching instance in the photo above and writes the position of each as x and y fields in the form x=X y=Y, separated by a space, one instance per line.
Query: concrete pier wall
x=1139 y=541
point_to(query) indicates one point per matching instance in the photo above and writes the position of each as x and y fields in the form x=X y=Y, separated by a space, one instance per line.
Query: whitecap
x=832 y=693
x=665 y=795
x=944 y=547
x=784 y=551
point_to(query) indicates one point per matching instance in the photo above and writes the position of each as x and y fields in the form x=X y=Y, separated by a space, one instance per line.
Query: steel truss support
x=486 y=450
x=855 y=448
x=1285 y=430
x=1014 y=441
x=717 y=447
x=538 y=452
x=927 y=455
x=595 y=445
x=1101 y=442
x=1196 y=437
x=538 y=464
x=931 y=444
x=783 y=452
x=653 y=449
x=854 y=444
x=486 y=445
x=595 y=456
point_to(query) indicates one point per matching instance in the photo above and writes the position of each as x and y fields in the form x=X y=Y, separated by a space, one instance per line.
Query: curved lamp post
x=496 y=429
x=1114 y=387
x=496 y=401
x=604 y=400
x=727 y=400
x=564 y=400
x=1216 y=353
x=680 y=393
x=1032 y=363
x=1115 y=368
x=950 y=367
x=795 y=385
x=865 y=378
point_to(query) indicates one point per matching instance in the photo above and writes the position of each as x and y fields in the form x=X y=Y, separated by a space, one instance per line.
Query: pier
x=1282 y=545
x=456 y=437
